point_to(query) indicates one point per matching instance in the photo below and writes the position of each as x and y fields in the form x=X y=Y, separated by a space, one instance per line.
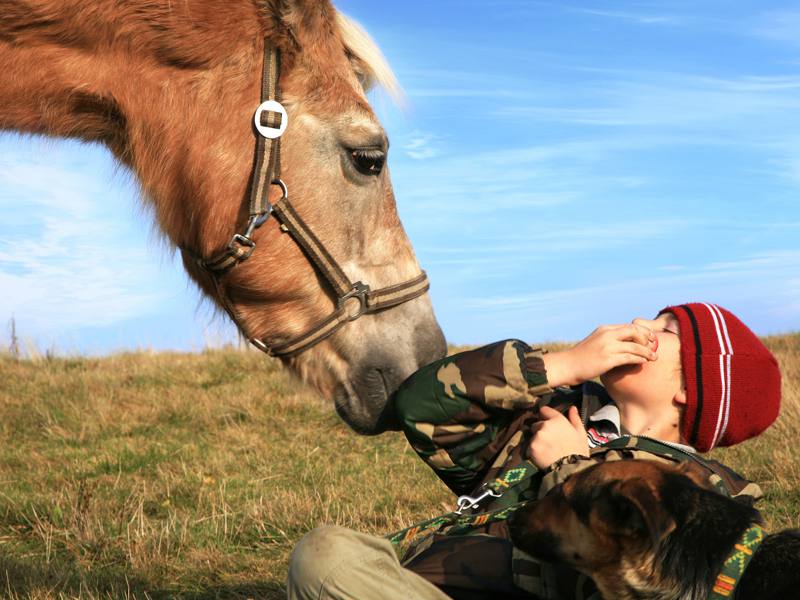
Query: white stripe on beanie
x=728 y=369
x=726 y=350
x=721 y=409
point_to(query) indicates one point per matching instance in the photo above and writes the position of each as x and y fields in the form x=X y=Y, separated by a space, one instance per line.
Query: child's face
x=655 y=385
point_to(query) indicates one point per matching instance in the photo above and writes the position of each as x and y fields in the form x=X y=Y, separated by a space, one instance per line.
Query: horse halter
x=352 y=299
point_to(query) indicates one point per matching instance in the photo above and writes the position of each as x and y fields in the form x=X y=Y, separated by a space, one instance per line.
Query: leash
x=462 y=523
x=734 y=566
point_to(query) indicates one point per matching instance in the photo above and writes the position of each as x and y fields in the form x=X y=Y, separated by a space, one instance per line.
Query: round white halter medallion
x=271 y=133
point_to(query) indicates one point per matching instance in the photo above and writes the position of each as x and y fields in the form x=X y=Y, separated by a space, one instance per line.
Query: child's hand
x=606 y=347
x=557 y=436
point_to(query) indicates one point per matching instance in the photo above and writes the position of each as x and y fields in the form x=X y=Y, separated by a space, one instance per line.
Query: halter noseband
x=352 y=299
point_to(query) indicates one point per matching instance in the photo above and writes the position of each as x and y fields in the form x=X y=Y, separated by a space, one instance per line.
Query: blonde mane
x=371 y=65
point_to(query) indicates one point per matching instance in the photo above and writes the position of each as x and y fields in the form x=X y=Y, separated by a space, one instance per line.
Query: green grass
x=192 y=476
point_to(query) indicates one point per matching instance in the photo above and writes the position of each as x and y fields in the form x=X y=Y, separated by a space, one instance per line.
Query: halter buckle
x=241 y=246
x=360 y=291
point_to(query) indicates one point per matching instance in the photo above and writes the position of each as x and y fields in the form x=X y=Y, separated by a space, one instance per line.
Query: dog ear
x=633 y=509
x=696 y=473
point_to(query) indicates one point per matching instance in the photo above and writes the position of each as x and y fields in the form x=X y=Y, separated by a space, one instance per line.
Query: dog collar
x=734 y=566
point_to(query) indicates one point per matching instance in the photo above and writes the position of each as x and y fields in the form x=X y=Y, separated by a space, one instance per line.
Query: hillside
x=192 y=475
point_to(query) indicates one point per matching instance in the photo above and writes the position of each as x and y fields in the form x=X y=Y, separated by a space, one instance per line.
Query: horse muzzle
x=365 y=400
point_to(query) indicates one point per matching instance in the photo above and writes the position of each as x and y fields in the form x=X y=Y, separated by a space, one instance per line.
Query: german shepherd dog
x=645 y=530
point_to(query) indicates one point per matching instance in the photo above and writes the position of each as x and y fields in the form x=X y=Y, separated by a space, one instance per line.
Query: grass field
x=192 y=476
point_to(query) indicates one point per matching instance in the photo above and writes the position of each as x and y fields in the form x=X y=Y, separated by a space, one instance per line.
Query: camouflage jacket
x=468 y=416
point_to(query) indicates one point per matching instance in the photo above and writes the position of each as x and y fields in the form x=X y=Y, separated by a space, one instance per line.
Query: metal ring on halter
x=281 y=184
x=271 y=133
x=359 y=292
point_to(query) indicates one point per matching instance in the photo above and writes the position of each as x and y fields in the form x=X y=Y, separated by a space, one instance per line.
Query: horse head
x=171 y=88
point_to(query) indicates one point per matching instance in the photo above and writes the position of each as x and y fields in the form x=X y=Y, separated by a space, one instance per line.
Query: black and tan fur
x=650 y=531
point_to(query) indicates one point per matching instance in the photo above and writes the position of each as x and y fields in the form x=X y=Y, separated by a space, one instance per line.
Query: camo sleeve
x=457 y=412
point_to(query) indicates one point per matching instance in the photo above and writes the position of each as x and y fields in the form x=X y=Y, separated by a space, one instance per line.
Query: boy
x=695 y=378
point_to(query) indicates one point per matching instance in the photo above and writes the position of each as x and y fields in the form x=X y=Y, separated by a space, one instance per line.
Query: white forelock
x=361 y=45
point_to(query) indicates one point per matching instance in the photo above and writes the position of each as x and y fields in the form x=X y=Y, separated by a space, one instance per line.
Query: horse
x=170 y=87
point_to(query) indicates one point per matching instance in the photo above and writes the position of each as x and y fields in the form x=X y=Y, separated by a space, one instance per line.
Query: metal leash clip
x=468 y=502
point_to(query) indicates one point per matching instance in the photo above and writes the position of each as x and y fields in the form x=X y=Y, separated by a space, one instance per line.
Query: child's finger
x=548 y=413
x=534 y=429
x=636 y=333
x=638 y=350
x=575 y=418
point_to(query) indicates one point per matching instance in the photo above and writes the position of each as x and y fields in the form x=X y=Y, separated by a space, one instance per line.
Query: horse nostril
x=374 y=386
x=363 y=402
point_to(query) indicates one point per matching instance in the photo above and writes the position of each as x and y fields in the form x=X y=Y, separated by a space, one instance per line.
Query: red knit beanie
x=733 y=384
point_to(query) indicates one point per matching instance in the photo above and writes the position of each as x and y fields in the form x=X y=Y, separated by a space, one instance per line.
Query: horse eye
x=368 y=161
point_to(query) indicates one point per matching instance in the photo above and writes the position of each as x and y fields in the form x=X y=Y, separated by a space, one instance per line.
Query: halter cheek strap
x=352 y=299
x=734 y=566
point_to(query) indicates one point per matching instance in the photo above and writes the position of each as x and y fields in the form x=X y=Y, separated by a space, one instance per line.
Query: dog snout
x=529 y=533
x=540 y=544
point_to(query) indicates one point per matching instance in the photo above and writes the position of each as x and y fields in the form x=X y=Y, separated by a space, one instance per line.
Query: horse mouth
x=364 y=402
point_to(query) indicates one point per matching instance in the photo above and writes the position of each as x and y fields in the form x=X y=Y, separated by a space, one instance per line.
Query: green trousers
x=333 y=563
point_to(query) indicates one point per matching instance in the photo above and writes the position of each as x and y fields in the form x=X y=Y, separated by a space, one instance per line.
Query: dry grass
x=192 y=476
x=773 y=459
x=180 y=475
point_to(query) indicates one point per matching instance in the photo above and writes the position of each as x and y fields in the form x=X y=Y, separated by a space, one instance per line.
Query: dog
x=645 y=530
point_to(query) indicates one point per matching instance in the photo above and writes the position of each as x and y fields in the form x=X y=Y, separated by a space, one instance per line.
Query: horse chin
x=364 y=403
x=365 y=400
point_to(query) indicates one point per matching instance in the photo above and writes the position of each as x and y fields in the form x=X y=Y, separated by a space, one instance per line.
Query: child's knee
x=315 y=552
x=318 y=556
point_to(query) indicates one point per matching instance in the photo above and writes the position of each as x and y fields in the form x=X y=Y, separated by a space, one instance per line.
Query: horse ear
x=366 y=59
x=299 y=23
x=280 y=22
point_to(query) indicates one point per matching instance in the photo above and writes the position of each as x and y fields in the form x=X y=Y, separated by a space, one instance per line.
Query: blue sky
x=559 y=165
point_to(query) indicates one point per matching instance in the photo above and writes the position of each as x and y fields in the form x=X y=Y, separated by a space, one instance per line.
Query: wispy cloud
x=634 y=13
x=439 y=84
x=736 y=275
x=763 y=289
x=421 y=146
x=486 y=191
x=639 y=18
x=786 y=161
x=56 y=270
x=667 y=100
x=577 y=238
x=792 y=169
x=779 y=26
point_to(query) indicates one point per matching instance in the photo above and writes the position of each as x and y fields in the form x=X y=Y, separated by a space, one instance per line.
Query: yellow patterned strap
x=734 y=566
